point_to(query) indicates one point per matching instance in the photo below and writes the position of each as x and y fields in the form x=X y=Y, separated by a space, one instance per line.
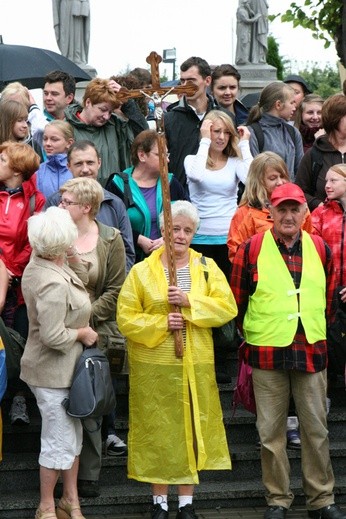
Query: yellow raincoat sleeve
x=150 y=327
x=214 y=307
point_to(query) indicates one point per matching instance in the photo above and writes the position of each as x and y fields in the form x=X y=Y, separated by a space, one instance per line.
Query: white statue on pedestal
x=71 y=20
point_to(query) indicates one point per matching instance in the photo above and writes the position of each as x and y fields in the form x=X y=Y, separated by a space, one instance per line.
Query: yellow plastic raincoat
x=173 y=402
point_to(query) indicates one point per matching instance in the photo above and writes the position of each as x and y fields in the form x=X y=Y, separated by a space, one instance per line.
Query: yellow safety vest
x=272 y=315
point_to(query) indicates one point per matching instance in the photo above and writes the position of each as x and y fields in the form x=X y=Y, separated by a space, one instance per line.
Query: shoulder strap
x=206 y=274
x=316 y=166
x=257 y=128
x=255 y=247
x=290 y=129
x=128 y=198
x=32 y=203
x=257 y=239
x=320 y=247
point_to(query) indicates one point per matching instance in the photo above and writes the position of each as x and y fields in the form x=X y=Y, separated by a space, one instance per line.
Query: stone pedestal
x=255 y=77
x=80 y=87
x=89 y=69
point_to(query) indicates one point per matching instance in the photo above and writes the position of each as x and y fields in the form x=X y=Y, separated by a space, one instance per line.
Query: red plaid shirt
x=300 y=355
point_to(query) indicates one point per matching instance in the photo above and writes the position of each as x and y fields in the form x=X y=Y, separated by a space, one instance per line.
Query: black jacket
x=312 y=179
x=182 y=129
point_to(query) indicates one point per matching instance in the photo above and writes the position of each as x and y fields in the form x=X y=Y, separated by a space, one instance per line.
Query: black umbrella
x=249 y=100
x=29 y=65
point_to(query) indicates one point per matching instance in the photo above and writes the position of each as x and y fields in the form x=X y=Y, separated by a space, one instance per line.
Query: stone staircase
x=241 y=487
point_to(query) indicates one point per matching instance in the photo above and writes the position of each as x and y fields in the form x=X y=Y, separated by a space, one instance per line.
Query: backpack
x=257 y=128
x=128 y=198
x=224 y=335
x=91 y=395
x=256 y=243
x=14 y=346
x=243 y=391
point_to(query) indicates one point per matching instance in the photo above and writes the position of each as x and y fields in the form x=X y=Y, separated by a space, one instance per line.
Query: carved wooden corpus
x=160 y=93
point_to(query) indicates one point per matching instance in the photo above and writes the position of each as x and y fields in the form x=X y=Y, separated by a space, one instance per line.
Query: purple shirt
x=149 y=194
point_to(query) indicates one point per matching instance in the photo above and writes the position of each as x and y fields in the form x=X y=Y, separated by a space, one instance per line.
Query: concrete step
x=240 y=429
x=21 y=470
x=218 y=490
x=135 y=497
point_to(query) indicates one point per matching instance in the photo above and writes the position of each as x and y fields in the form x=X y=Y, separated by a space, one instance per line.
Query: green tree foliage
x=322 y=17
x=319 y=16
x=274 y=58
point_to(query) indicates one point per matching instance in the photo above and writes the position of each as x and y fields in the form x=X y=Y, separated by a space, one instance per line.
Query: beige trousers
x=272 y=392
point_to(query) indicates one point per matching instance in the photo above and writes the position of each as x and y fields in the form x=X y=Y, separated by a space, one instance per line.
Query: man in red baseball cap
x=283 y=295
x=286 y=192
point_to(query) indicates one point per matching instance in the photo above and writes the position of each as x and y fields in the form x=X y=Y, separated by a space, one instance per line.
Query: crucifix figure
x=157 y=93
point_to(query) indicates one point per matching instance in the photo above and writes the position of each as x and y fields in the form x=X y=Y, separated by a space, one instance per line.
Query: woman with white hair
x=172 y=397
x=58 y=311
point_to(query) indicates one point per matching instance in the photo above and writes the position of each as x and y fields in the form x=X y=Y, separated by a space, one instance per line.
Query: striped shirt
x=184 y=283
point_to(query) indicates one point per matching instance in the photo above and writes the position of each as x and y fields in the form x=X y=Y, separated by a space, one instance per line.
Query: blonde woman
x=223 y=159
x=58 y=137
x=98 y=258
x=266 y=172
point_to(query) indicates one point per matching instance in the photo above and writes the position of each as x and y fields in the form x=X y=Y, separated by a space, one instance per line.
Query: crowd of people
x=258 y=202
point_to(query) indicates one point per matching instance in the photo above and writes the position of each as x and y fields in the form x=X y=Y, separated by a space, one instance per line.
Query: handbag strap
x=204 y=263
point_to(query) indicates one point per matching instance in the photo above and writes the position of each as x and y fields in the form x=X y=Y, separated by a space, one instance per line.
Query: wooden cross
x=157 y=94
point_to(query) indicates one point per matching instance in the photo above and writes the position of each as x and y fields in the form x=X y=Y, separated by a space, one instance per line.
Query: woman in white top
x=223 y=159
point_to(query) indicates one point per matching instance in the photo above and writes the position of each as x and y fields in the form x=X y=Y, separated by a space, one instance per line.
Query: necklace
x=216 y=163
x=84 y=243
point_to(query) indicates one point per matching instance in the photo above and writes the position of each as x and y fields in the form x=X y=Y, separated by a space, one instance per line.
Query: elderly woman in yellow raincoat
x=175 y=420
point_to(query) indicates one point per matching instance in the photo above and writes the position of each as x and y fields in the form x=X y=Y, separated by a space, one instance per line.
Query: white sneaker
x=18 y=412
x=293 y=436
x=115 y=446
x=328 y=404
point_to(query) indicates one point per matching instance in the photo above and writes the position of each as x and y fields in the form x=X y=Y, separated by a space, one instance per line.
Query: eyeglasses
x=67 y=203
x=157 y=154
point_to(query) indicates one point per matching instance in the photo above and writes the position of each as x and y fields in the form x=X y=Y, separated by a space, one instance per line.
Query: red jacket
x=329 y=221
x=15 y=210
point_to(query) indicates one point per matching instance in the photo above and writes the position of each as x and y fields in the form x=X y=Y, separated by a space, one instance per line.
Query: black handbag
x=14 y=346
x=223 y=336
x=91 y=395
x=337 y=342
